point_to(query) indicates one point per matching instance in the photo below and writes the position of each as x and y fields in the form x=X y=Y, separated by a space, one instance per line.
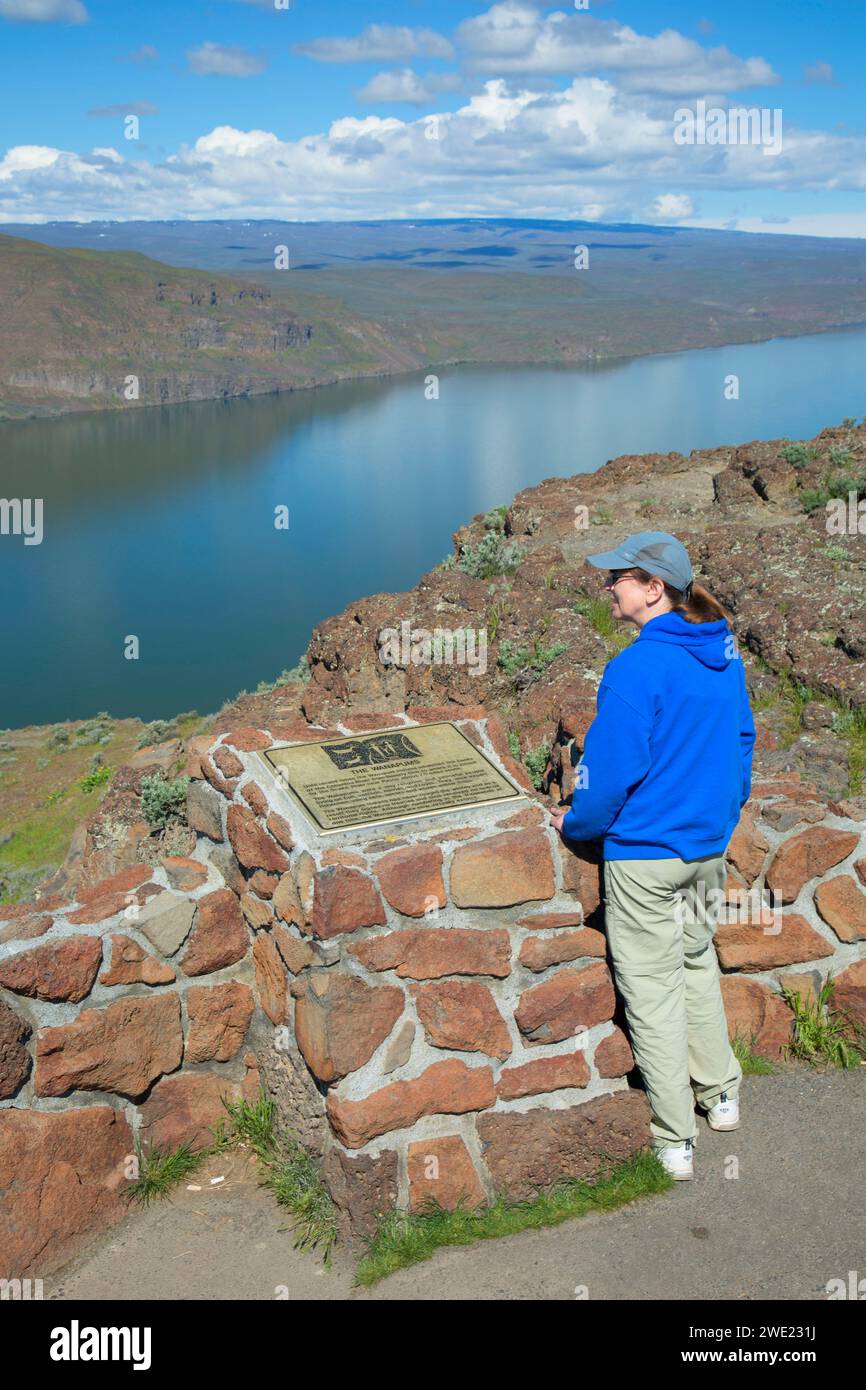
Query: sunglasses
x=615 y=576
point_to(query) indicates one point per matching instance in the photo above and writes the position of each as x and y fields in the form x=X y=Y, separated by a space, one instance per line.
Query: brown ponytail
x=698 y=607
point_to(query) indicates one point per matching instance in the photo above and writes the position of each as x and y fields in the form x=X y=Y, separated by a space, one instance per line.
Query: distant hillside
x=74 y=325
x=368 y=299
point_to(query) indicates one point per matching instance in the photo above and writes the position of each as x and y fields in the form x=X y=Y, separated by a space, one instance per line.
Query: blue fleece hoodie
x=667 y=761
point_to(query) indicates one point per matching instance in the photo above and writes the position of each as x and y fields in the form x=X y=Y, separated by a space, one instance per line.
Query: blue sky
x=321 y=110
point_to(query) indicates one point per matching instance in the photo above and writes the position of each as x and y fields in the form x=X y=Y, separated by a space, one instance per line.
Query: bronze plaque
x=390 y=775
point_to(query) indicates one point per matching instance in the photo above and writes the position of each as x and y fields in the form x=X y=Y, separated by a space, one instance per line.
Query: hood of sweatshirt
x=708 y=643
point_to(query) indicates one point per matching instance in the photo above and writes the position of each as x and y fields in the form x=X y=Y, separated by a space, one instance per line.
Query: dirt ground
x=793 y=1218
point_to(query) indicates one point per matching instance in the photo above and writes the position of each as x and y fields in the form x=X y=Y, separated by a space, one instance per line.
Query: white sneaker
x=678 y=1159
x=725 y=1114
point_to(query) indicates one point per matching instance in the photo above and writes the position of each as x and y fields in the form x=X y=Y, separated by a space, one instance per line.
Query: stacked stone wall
x=429 y=1003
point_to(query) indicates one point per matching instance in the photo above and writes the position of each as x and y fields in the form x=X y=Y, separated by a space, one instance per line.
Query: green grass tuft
x=823 y=1034
x=850 y=724
x=403 y=1239
x=159 y=1170
x=752 y=1063
x=290 y=1172
x=98 y=777
x=598 y=615
x=835 y=486
x=300 y=673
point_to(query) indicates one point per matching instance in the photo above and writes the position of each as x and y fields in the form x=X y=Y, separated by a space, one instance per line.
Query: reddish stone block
x=748 y=848
x=539 y=952
x=757 y=1015
x=751 y=947
x=344 y=900
x=545 y=1074
x=217 y=781
x=271 y=979
x=411 y=879
x=61 y=1181
x=253 y=846
x=61 y=970
x=570 y=1000
x=808 y=855
x=441 y=1171
x=280 y=829
x=286 y=901
x=462 y=1014
x=219 y=935
x=258 y=914
x=842 y=906
x=849 y=996
x=248 y=739
x=514 y=867
x=613 y=1056
x=26 y=928
x=219 y=1016
x=340 y=1020
x=449 y=1087
x=132 y=965
x=347 y=858
x=184 y=875
x=296 y=954
x=228 y=762
x=185 y=1109
x=121 y=1048
x=255 y=799
x=363 y=1188
x=14 y=1057
x=581 y=874
x=197 y=748
x=530 y=1150
x=427 y=953
x=264 y=884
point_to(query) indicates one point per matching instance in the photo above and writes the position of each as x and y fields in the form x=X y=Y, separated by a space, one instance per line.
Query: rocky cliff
x=755 y=519
x=85 y=330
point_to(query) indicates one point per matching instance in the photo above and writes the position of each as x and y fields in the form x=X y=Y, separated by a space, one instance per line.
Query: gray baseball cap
x=654 y=551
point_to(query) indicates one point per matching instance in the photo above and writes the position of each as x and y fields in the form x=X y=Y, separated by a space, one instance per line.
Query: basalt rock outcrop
x=793 y=583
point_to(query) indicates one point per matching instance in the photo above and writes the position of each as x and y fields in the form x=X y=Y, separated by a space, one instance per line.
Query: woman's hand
x=557 y=816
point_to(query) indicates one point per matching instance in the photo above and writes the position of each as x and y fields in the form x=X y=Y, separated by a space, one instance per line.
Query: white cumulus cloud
x=673 y=207
x=513 y=37
x=23 y=159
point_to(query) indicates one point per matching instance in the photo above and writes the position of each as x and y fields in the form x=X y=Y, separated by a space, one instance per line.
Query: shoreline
x=586 y=365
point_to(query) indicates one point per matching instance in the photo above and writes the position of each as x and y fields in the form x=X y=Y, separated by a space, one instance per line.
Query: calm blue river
x=159 y=523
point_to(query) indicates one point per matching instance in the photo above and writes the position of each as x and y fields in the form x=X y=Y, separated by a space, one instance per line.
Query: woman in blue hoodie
x=665 y=771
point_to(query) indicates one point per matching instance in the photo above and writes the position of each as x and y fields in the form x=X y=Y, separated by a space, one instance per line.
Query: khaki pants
x=661 y=915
